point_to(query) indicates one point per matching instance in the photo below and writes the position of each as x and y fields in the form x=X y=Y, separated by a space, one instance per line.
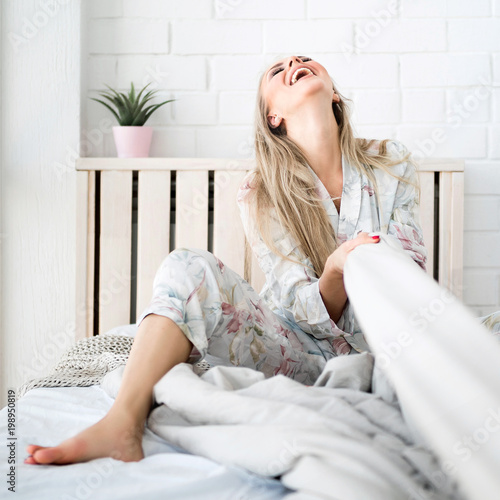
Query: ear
x=335 y=97
x=274 y=121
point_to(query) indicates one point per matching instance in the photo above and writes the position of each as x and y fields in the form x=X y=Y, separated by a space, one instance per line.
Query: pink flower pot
x=133 y=142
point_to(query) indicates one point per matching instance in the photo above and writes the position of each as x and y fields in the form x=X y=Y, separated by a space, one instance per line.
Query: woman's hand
x=335 y=262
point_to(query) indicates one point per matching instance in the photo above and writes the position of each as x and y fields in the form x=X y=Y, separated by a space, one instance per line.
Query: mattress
x=47 y=416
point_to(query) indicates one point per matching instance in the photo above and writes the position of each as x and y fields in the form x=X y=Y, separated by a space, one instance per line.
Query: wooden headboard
x=132 y=212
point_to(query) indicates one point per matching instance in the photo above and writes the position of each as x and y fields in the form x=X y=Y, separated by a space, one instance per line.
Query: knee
x=184 y=253
x=185 y=257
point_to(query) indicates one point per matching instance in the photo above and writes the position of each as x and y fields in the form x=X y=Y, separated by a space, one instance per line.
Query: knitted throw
x=88 y=361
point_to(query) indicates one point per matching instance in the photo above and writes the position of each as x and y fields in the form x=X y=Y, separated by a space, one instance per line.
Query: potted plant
x=132 y=138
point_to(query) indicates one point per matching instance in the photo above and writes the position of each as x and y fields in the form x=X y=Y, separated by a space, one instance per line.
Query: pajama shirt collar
x=345 y=223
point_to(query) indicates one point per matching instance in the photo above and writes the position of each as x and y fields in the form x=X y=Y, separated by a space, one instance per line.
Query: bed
x=365 y=430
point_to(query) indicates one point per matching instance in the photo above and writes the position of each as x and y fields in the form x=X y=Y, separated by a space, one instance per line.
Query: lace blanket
x=88 y=361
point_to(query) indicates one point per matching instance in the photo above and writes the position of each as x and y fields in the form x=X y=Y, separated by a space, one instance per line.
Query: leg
x=229 y=323
x=158 y=346
x=200 y=302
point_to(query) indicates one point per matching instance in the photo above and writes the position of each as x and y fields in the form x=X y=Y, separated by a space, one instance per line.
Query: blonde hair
x=284 y=187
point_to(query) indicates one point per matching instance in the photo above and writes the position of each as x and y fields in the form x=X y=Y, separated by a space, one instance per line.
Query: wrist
x=332 y=271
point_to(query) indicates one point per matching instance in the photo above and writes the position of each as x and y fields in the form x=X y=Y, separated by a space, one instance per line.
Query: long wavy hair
x=284 y=187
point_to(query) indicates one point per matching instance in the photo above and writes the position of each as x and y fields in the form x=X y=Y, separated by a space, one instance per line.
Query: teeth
x=300 y=70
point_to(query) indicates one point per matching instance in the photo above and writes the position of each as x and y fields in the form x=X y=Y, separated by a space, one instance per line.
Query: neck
x=315 y=131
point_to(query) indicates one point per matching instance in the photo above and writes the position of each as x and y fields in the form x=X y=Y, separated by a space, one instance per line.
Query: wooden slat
x=424 y=165
x=457 y=233
x=229 y=235
x=153 y=231
x=191 y=209
x=445 y=228
x=115 y=249
x=85 y=240
x=177 y=164
x=441 y=165
x=427 y=215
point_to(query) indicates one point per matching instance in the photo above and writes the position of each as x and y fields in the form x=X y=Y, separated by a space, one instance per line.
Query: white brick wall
x=414 y=69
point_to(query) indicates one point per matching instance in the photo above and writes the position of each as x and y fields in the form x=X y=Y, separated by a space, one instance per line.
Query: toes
x=31 y=448
x=48 y=455
x=30 y=460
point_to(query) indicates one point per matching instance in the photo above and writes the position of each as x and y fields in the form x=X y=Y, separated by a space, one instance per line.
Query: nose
x=294 y=59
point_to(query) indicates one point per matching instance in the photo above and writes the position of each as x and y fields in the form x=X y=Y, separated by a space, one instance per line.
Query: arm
x=331 y=288
x=293 y=286
x=404 y=223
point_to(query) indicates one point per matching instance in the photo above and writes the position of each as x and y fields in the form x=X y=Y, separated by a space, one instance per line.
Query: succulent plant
x=131 y=109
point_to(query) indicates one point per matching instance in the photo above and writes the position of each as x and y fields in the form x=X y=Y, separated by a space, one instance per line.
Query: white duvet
x=344 y=443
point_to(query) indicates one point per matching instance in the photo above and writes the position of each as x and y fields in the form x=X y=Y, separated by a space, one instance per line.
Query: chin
x=312 y=88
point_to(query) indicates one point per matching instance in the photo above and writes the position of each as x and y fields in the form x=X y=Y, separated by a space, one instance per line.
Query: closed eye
x=275 y=71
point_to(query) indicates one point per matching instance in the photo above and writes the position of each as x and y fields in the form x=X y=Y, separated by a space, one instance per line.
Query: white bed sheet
x=47 y=416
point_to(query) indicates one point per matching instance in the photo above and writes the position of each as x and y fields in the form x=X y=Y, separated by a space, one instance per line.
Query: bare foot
x=118 y=438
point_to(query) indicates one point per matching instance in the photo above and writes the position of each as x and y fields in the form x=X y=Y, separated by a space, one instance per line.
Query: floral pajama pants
x=230 y=324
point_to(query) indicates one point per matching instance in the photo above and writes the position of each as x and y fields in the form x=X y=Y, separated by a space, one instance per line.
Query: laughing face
x=288 y=84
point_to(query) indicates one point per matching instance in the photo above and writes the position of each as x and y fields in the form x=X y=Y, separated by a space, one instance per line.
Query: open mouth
x=300 y=73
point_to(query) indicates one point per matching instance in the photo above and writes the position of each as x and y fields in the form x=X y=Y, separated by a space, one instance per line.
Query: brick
x=173 y=142
x=164 y=115
x=300 y=37
x=496 y=104
x=225 y=142
x=471 y=105
x=360 y=71
x=128 y=36
x=237 y=108
x=216 y=37
x=109 y=8
x=425 y=106
x=482 y=178
x=337 y=9
x=494 y=142
x=377 y=106
x=378 y=132
x=441 y=141
x=102 y=70
x=442 y=70
x=481 y=249
x=236 y=72
x=480 y=287
x=164 y=72
x=109 y=147
x=496 y=69
x=406 y=35
x=259 y=9
x=473 y=35
x=462 y=8
x=195 y=109
x=98 y=124
x=96 y=111
x=423 y=8
x=170 y=9
x=482 y=212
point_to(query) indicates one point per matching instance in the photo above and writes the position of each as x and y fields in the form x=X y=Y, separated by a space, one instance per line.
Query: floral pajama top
x=292 y=290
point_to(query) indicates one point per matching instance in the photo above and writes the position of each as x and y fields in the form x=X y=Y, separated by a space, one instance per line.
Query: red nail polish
x=376 y=237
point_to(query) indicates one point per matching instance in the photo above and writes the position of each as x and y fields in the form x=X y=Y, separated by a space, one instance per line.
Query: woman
x=311 y=175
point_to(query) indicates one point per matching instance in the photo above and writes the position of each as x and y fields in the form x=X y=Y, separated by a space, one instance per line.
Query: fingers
x=363 y=238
